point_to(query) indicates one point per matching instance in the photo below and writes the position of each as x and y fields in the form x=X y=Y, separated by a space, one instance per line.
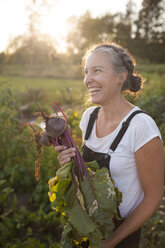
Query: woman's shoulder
x=86 y=116
x=143 y=120
x=142 y=129
x=88 y=111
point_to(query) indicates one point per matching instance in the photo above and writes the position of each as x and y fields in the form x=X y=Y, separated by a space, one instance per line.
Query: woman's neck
x=115 y=111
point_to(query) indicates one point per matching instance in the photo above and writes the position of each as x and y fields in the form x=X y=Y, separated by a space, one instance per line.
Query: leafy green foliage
x=153 y=232
x=152 y=100
x=25 y=215
x=26 y=219
x=89 y=205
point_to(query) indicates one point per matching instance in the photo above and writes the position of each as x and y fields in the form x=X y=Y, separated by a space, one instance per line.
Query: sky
x=14 y=16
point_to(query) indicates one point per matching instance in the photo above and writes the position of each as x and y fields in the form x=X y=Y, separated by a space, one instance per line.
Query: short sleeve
x=145 y=129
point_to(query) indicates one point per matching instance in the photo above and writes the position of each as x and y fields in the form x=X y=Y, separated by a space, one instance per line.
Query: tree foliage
x=31 y=49
x=143 y=35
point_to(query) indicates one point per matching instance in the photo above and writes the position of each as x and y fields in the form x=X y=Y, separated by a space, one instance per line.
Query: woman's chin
x=95 y=100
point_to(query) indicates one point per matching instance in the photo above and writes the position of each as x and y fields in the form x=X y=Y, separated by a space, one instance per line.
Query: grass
x=71 y=92
x=151 y=68
x=64 y=91
x=50 y=85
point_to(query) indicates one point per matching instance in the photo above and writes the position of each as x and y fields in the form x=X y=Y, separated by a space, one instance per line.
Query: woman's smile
x=94 y=90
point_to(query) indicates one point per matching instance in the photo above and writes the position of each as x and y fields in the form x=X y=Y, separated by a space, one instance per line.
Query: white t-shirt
x=123 y=168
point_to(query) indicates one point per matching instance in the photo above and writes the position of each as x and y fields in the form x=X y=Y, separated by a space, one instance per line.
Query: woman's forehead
x=97 y=58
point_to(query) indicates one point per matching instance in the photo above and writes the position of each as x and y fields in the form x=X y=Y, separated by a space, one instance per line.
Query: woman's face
x=100 y=79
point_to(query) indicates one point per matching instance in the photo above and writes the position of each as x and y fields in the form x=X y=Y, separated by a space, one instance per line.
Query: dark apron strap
x=125 y=125
x=123 y=129
x=93 y=117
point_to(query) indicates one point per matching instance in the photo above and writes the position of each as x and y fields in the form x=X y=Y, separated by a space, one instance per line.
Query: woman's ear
x=124 y=75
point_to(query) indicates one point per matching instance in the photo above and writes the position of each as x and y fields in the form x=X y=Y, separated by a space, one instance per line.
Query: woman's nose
x=87 y=79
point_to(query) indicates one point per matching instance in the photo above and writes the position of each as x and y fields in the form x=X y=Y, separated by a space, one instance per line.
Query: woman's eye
x=97 y=70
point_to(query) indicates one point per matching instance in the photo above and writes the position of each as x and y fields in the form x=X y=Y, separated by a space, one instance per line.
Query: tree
x=89 y=30
x=2 y=58
x=150 y=31
x=150 y=21
x=124 y=26
x=33 y=47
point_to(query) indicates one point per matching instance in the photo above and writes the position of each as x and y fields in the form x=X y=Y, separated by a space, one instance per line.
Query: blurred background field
x=26 y=217
x=54 y=73
x=64 y=91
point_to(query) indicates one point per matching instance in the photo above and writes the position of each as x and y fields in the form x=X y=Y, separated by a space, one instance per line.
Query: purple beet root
x=55 y=126
x=44 y=139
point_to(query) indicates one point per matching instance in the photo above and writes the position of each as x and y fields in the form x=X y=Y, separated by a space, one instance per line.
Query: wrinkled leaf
x=66 y=240
x=81 y=220
x=95 y=238
x=64 y=171
x=89 y=207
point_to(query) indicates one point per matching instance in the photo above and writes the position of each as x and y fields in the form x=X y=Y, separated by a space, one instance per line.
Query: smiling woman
x=124 y=134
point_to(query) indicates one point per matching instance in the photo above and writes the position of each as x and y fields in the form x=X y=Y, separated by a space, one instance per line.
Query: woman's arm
x=150 y=163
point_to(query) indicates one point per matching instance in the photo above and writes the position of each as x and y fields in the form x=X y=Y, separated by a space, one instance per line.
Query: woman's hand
x=106 y=244
x=65 y=154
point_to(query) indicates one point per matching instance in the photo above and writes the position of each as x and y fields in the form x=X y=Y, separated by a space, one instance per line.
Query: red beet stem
x=62 y=113
x=80 y=165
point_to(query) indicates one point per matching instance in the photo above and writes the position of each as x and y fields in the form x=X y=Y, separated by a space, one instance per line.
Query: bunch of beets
x=87 y=198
